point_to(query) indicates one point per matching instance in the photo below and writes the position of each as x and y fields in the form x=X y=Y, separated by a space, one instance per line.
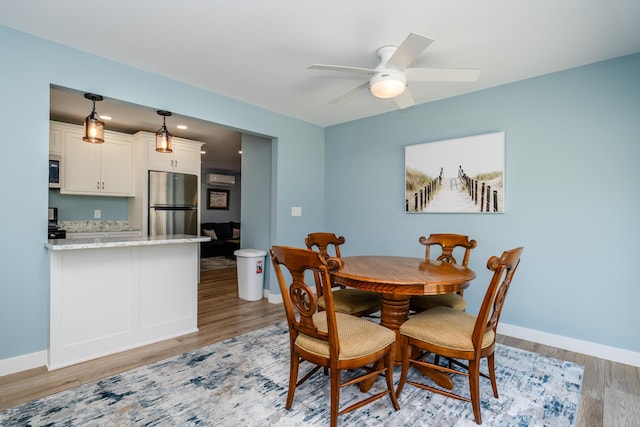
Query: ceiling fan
x=391 y=76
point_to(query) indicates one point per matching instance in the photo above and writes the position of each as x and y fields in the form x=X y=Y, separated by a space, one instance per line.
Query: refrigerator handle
x=174 y=208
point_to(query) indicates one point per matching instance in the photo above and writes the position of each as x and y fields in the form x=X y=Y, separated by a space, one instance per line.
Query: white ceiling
x=258 y=51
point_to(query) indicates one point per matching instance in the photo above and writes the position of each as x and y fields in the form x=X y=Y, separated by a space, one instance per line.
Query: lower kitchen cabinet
x=106 y=299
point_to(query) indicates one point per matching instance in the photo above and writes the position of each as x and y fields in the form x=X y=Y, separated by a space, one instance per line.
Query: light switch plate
x=296 y=211
x=97 y=214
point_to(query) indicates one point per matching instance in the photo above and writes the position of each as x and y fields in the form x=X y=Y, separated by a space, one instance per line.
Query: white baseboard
x=23 y=362
x=274 y=298
x=572 y=344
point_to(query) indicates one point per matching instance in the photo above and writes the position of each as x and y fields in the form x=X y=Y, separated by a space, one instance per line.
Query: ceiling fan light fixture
x=163 y=137
x=93 y=126
x=388 y=84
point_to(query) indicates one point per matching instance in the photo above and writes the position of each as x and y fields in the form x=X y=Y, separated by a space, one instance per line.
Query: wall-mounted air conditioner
x=217 y=179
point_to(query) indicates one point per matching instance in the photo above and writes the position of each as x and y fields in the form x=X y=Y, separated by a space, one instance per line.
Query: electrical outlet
x=97 y=214
x=296 y=211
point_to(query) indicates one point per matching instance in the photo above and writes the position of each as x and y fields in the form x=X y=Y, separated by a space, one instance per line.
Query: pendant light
x=93 y=126
x=163 y=137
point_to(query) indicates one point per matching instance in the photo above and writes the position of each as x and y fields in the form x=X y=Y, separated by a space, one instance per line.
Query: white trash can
x=250 y=273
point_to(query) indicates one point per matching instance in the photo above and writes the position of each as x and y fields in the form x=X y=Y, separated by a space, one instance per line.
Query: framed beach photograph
x=461 y=175
x=217 y=199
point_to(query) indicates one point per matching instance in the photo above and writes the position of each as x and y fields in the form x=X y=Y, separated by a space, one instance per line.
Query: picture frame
x=460 y=175
x=217 y=199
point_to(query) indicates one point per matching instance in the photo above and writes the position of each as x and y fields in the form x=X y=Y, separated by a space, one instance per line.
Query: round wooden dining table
x=396 y=279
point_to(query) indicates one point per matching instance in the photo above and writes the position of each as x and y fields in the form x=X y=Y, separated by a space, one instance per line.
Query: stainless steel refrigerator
x=173 y=203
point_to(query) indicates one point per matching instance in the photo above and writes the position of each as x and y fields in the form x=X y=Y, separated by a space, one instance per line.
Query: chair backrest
x=503 y=270
x=323 y=241
x=300 y=303
x=448 y=243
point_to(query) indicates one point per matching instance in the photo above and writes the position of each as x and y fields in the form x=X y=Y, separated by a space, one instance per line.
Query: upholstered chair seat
x=358 y=337
x=353 y=301
x=446 y=327
x=427 y=302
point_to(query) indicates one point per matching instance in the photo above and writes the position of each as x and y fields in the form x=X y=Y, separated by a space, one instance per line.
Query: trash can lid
x=250 y=253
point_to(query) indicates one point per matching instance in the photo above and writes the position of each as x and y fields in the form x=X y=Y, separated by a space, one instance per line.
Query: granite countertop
x=113 y=242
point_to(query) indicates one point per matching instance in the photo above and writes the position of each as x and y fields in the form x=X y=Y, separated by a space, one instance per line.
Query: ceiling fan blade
x=342 y=68
x=442 y=74
x=356 y=89
x=405 y=99
x=408 y=51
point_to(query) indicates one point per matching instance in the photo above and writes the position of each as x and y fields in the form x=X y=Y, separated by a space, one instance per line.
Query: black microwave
x=54 y=173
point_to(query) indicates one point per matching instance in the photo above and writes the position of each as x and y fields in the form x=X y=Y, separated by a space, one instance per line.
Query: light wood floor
x=610 y=391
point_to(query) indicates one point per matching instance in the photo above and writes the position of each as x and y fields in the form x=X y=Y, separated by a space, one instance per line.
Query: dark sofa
x=225 y=239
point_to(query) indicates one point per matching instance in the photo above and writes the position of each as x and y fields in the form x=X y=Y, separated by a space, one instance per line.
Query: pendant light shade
x=163 y=137
x=93 y=126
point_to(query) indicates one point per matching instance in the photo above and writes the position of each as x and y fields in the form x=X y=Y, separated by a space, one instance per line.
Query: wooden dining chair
x=448 y=244
x=350 y=301
x=459 y=336
x=328 y=339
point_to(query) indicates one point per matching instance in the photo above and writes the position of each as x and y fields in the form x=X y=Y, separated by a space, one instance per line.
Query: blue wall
x=572 y=152
x=257 y=207
x=29 y=66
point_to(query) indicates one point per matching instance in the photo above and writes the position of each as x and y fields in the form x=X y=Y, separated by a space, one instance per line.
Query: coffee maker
x=54 y=231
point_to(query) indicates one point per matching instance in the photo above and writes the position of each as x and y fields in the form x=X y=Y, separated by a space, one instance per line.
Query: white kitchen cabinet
x=55 y=141
x=97 y=169
x=108 y=297
x=185 y=157
x=116 y=165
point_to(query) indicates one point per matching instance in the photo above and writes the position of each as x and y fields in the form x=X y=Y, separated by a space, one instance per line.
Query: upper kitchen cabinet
x=96 y=169
x=185 y=157
x=55 y=141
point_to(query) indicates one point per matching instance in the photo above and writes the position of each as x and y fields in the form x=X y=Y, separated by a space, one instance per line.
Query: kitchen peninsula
x=116 y=293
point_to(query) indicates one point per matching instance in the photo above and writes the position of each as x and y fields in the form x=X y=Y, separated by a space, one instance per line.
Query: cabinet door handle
x=98 y=185
x=103 y=185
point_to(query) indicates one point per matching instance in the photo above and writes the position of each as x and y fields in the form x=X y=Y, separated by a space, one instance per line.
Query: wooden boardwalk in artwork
x=452 y=197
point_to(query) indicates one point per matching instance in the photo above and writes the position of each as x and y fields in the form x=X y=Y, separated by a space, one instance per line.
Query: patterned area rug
x=243 y=382
x=216 y=263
